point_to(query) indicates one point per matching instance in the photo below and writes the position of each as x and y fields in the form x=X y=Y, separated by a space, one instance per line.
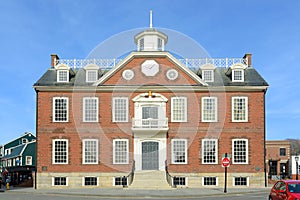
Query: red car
x=285 y=190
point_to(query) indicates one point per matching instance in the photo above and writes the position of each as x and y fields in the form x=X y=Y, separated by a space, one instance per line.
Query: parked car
x=285 y=190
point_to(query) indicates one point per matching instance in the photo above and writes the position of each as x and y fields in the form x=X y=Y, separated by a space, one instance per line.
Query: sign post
x=225 y=164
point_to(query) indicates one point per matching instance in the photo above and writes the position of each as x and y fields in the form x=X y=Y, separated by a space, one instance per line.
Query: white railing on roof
x=80 y=63
x=191 y=63
x=195 y=63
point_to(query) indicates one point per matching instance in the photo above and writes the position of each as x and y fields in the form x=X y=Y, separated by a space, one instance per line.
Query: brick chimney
x=248 y=57
x=54 y=59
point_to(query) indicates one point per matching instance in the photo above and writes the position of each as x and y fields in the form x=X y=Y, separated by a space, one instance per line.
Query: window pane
x=90 y=107
x=62 y=76
x=60 y=152
x=209 y=151
x=120 y=109
x=90 y=181
x=120 y=151
x=239 y=107
x=179 y=181
x=240 y=151
x=60 y=181
x=207 y=75
x=210 y=181
x=91 y=75
x=60 y=109
x=179 y=151
x=240 y=181
x=179 y=109
x=90 y=151
x=209 y=109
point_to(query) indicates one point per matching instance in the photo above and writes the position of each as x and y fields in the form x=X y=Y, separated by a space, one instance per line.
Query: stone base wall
x=106 y=180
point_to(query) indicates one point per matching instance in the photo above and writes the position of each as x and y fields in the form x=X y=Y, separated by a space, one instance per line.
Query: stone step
x=150 y=180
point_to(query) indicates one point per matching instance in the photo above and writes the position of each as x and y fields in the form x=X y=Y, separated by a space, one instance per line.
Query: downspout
x=265 y=166
x=37 y=138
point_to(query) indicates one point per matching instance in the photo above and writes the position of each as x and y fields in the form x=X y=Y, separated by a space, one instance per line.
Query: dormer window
x=207 y=72
x=238 y=75
x=208 y=75
x=63 y=76
x=237 y=72
x=62 y=73
x=24 y=140
x=91 y=74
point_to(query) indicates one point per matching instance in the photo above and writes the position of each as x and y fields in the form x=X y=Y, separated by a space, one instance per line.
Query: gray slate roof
x=221 y=78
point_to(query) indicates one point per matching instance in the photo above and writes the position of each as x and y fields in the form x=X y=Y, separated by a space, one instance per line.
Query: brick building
x=150 y=112
x=278 y=158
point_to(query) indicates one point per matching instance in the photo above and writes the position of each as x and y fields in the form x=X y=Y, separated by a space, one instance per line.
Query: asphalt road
x=34 y=196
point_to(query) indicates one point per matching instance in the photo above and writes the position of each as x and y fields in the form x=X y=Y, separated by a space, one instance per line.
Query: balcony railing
x=191 y=63
x=150 y=123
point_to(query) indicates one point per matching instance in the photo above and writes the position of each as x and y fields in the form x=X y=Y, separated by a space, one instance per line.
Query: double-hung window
x=90 y=151
x=120 y=109
x=179 y=151
x=60 y=109
x=209 y=151
x=240 y=151
x=60 y=151
x=209 y=109
x=90 y=109
x=239 y=109
x=120 y=151
x=179 y=109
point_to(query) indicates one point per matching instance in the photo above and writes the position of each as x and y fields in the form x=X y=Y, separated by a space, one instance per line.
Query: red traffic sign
x=225 y=162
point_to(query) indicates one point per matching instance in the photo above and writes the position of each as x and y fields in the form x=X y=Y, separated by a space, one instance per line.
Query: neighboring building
x=278 y=158
x=150 y=111
x=19 y=159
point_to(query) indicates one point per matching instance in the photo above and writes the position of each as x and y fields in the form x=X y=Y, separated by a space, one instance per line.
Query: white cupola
x=151 y=39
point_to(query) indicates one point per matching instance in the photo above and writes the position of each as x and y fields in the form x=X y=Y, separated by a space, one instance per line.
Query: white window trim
x=186 y=153
x=185 y=109
x=233 y=181
x=114 y=181
x=58 y=76
x=83 y=152
x=53 y=151
x=233 y=75
x=84 y=107
x=67 y=181
x=83 y=181
x=30 y=160
x=114 y=152
x=246 y=108
x=53 y=109
x=216 y=153
x=247 y=152
x=216 y=109
x=86 y=76
x=212 y=75
x=217 y=181
x=113 y=109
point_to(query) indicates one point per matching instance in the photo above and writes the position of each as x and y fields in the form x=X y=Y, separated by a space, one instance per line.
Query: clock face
x=150 y=67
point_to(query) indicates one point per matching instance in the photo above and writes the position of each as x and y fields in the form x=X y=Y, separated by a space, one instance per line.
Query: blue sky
x=31 y=30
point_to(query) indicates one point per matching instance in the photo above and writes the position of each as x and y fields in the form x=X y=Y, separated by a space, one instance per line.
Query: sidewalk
x=130 y=193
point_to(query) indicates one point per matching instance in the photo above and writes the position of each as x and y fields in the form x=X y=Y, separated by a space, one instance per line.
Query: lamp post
x=297 y=167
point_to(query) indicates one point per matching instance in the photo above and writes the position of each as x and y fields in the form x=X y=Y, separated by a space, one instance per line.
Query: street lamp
x=297 y=167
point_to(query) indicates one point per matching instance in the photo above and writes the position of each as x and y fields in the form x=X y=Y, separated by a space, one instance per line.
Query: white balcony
x=149 y=126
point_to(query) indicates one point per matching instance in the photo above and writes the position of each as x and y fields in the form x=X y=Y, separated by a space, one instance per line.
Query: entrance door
x=150 y=156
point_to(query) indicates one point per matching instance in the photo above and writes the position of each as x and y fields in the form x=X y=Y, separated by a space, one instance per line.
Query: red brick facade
x=188 y=85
